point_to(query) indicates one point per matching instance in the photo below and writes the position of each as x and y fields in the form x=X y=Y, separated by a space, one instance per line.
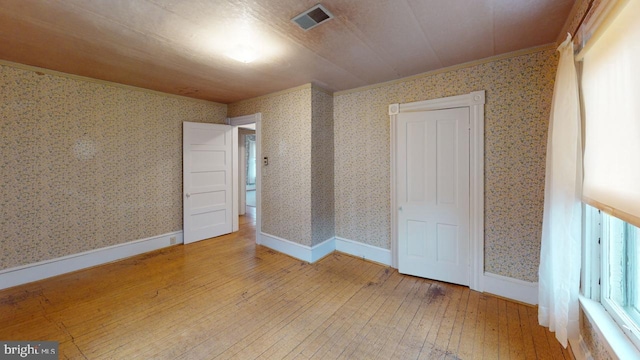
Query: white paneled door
x=433 y=194
x=207 y=172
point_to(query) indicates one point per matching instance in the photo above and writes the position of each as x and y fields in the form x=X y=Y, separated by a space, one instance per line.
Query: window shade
x=611 y=91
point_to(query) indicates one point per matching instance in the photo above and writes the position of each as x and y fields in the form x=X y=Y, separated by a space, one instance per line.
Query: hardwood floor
x=228 y=298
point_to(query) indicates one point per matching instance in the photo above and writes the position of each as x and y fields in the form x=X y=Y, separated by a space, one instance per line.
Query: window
x=615 y=278
x=610 y=89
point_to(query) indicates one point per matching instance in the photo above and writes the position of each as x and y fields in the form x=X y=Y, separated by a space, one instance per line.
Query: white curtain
x=560 y=255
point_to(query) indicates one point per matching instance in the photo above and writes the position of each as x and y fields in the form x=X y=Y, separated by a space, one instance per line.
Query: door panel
x=446 y=156
x=416 y=244
x=433 y=194
x=207 y=162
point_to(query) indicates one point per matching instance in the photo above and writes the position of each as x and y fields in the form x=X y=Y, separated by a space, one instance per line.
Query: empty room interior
x=280 y=179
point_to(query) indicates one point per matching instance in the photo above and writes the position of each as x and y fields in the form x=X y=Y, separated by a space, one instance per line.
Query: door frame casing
x=475 y=101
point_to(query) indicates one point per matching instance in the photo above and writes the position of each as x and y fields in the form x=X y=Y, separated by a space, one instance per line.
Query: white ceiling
x=178 y=46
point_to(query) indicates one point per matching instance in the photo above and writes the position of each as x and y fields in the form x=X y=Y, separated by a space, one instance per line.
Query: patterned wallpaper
x=518 y=92
x=298 y=184
x=592 y=339
x=322 y=179
x=286 y=181
x=86 y=165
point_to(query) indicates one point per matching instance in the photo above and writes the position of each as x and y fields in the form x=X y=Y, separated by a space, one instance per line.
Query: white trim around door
x=475 y=102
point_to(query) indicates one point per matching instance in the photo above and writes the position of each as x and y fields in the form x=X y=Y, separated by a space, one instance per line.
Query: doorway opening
x=248 y=170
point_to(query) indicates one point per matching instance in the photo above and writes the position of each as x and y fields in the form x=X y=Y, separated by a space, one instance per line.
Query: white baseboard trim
x=510 y=288
x=298 y=251
x=364 y=251
x=317 y=252
x=323 y=249
x=580 y=349
x=66 y=264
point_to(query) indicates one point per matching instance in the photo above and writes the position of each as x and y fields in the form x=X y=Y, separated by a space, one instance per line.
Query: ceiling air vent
x=312 y=17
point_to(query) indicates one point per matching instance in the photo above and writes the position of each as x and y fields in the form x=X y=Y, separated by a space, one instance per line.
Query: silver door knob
x=187 y=195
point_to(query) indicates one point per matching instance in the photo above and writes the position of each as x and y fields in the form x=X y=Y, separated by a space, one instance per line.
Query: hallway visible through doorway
x=251 y=197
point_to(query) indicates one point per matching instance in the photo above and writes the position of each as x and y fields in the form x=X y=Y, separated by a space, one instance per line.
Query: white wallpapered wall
x=518 y=92
x=125 y=140
x=298 y=184
x=322 y=179
x=286 y=181
x=86 y=165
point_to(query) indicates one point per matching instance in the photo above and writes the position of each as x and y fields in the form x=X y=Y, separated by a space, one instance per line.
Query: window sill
x=615 y=341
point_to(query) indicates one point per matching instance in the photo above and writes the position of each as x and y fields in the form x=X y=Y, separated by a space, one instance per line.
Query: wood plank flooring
x=226 y=298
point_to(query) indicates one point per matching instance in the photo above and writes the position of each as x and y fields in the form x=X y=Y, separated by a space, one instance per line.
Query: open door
x=208 y=185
